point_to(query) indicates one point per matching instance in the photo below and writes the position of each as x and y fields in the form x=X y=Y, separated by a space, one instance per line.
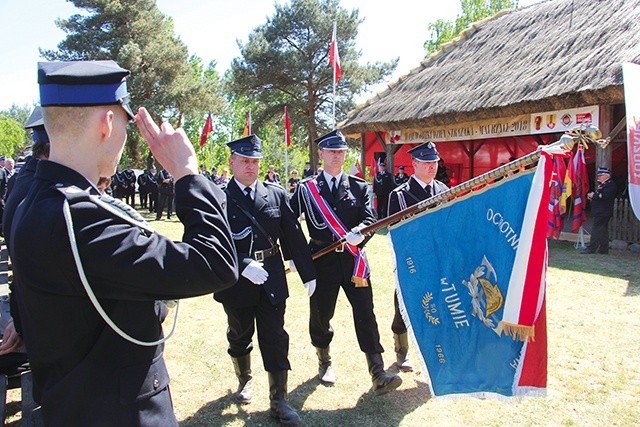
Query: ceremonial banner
x=580 y=187
x=471 y=286
x=556 y=207
x=631 y=76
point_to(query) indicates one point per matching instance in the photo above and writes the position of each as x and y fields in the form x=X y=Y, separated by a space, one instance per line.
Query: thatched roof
x=553 y=55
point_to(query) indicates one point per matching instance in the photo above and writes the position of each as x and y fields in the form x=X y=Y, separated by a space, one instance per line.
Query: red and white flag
x=208 y=128
x=334 y=57
x=287 y=127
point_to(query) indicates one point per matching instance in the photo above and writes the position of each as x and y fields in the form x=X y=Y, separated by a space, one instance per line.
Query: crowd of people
x=93 y=290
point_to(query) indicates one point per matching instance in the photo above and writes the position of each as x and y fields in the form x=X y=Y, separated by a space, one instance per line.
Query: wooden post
x=603 y=156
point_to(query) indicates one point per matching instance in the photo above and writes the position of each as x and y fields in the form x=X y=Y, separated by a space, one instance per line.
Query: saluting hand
x=170 y=147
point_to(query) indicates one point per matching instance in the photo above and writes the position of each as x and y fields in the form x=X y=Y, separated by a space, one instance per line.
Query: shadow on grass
x=371 y=410
x=617 y=264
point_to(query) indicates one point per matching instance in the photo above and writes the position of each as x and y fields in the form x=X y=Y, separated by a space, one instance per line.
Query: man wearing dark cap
x=262 y=223
x=307 y=172
x=401 y=177
x=382 y=186
x=12 y=339
x=337 y=206
x=419 y=187
x=602 y=201
x=94 y=337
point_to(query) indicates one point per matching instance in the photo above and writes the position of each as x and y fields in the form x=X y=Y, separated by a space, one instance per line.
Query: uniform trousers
x=600 y=235
x=130 y=196
x=272 y=338
x=397 y=326
x=144 y=197
x=164 y=200
x=381 y=205
x=334 y=271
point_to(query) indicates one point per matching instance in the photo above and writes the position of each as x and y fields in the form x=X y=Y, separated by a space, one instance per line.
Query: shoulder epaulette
x=357 y=178
x=75 y=194
x=402 y=187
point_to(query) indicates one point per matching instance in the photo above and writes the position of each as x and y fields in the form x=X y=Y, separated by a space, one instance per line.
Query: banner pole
x=582 y=135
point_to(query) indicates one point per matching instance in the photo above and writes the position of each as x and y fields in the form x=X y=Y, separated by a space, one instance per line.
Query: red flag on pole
x=247 y=125
x=580 y=181
x=334 y=57
x=287 y=127
x=208 y=127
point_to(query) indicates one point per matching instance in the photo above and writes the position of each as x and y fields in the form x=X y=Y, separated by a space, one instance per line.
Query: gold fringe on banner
x=517 y=332
x=360 y=282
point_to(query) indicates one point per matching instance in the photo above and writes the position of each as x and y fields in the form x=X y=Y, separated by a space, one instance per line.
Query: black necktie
x=334 y=188
x=247 y=190
x=428 y=190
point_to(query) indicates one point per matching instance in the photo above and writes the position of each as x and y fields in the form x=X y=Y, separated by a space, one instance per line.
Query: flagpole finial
x=585 y=134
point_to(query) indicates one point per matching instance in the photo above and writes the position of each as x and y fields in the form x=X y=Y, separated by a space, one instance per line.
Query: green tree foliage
x=20 y=114
x=286 y=62
x=472 y=10
x=140 y=38
x=12 y=136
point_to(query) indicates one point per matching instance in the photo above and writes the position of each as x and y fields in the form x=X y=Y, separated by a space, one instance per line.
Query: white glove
x=310 y=286
x=292 y=266
x=354 y=237
x=255 y=273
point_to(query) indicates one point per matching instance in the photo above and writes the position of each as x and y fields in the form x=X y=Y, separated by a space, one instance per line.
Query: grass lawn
x=593 y=310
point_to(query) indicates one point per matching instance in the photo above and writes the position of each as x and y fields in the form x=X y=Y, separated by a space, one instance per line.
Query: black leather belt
x=266 y=253
x=320 y=242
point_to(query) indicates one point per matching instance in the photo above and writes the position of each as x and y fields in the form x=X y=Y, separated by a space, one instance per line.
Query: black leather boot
x=280 y=408
x=382 y=382
x=242 y=366
x=325 y=368
x=401 y=344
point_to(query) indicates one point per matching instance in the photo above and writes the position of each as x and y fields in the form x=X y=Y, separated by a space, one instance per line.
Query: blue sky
x=210 y=29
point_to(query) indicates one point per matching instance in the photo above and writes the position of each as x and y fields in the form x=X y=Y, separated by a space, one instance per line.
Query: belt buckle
x=340 y=248
x=258 y=256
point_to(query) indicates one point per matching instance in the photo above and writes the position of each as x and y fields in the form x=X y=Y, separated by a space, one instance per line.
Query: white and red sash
x=361 y=268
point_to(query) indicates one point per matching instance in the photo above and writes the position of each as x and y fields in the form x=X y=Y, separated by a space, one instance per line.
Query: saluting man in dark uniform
x=87 y=291
x=337 y=205
x=420 y=186
x=260 y=217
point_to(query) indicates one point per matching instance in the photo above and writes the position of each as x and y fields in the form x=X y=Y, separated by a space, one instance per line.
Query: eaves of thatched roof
x=552 y=55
